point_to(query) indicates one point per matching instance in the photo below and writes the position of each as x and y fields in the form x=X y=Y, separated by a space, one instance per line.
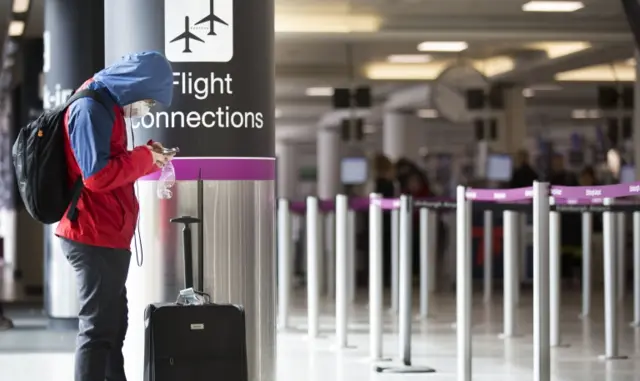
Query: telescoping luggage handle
x=187 y=221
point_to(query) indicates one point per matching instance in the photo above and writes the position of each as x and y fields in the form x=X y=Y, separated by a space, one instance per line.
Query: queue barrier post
x=463 y=283
x=610 y=292
x=541 y=339
x=375 y=279
x=351 y=255
x=313 y=273
x=488 y=256
x=555 y=277
x=511 y=270
x=395 y=214
x=405 y=297
x=284 y=263
x=587 y=238
x=621 y=250
x=428 y=247
x=342 y=265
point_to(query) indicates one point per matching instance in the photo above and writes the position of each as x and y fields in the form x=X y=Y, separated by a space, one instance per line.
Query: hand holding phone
x=170 y=151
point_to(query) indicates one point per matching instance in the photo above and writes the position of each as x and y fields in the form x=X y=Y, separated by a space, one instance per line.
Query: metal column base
x=62 y=324
x=404 y=369
x=608 y=358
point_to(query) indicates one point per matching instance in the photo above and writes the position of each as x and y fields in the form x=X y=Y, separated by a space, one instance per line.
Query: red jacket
x=96 y=149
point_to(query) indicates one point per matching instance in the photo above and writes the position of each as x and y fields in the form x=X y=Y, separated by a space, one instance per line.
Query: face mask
x=137 y=109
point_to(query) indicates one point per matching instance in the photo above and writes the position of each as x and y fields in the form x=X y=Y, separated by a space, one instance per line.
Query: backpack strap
x=76 y=190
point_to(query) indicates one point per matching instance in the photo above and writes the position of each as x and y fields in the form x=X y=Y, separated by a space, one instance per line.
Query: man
x=97 y=243
x=523 y=174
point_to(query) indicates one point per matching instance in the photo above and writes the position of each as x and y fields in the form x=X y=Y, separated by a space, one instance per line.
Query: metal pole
x=511 y=248
x=636 y=269
x=610 y=297
x=405 y=298
x=587 y=237
x=621 y=243
x=463 y=284
x=395 y=214
x=375 y=279
x=331 y=254
x=352 y=269
x=554 y=278
x=541 y=350
x=322 y=252
x=313 y=291
x=432 y=250
x=284 y=262
x=425 y=243
x=342 y=269
x=488 y=256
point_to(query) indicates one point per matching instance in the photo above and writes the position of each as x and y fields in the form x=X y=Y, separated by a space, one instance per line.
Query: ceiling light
x=329 y=23
x=319 y=91
x=427 y=113
x=552 y=6
x=16 y=28
x=404 y=72
x=494 y=66
x=446 y=46
x=409 y=58
x=20 y=6
x=528 y=92
x=599 y=73
x=585 y=114
x=555 y=49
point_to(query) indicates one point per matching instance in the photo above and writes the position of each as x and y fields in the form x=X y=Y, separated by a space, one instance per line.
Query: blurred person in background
x=404 y=169
x=559 y=175
x=385 y=187
x=572 y=233
x=570 y=223
x=523 y=173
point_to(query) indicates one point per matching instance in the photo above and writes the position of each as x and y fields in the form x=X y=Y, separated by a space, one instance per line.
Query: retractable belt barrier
x=546 y=205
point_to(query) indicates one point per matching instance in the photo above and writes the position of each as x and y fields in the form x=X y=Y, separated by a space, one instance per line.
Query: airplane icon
x=212 y=19
x=186 y=36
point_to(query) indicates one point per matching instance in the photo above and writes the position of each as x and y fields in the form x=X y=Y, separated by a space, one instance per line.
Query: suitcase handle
x=187 y=221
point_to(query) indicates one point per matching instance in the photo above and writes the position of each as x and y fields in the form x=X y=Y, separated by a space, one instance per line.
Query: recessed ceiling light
x=16 y=28
x=409 y=58
x=319 y=91
x=20 y=6
x=427 y=113
x=585 y=114
x=552 y=6
x=442 y=46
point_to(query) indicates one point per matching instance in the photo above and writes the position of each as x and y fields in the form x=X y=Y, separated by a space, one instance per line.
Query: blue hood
x=139 y=76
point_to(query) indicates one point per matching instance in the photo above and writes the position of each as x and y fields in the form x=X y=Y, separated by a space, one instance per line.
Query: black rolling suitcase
x=194 y=342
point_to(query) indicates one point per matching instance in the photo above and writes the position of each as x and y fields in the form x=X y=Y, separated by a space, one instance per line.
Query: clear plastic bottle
x=166 y=181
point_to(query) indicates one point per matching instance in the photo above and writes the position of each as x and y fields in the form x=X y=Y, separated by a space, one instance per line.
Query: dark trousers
x=101 y=274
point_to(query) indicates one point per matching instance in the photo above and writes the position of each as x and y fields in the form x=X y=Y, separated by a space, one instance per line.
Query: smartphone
x=170 y=151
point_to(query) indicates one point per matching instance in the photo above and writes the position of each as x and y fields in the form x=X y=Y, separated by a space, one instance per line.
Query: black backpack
x=40 y=163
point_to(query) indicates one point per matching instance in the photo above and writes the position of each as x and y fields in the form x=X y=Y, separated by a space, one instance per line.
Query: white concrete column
x=287 y=169
x=394 y=135
x=329 y=153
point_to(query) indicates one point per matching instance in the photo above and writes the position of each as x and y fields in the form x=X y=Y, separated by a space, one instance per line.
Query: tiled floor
x=434 y=344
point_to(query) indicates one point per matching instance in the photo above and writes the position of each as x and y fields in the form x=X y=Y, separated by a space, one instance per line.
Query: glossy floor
x=45 y=355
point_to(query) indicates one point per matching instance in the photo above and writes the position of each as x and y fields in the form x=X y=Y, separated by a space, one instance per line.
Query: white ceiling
x=491 y=27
